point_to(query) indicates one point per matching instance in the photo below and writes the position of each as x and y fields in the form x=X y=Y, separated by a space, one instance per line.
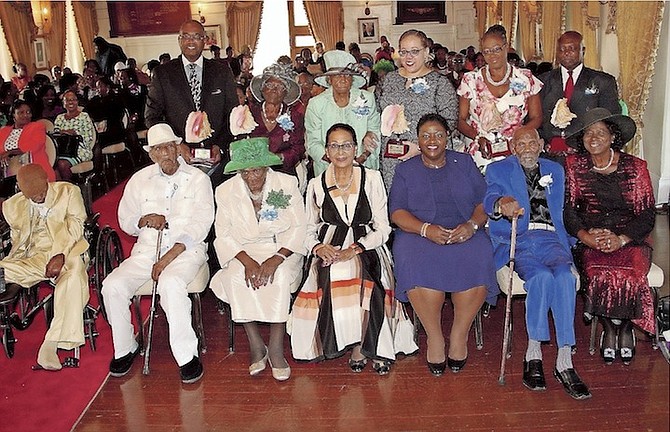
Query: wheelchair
x=19 y=305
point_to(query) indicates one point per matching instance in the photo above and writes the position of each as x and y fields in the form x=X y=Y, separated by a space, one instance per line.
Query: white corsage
x=276 y=200
x=285 y=121
x=561 y=116
x=592 y=89
x=517 y=85
x=546 y=182
x=419 y=86
x=361 y=107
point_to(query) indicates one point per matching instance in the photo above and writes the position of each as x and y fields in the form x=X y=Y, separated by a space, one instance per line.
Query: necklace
x=255 y=196
x=609 y=163
x=344 y=188
x=265 y=116
x=508 y=72
x=433 y=166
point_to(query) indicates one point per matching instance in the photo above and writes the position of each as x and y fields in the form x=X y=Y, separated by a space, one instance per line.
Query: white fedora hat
x=160 y=133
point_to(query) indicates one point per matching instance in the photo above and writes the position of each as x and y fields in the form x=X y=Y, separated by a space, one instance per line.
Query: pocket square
x=217 y=91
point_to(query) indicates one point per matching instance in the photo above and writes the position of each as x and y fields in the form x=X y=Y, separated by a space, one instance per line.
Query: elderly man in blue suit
x=533 y=188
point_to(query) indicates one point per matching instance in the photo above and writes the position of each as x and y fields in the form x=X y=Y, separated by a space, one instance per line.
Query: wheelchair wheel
x=108 y=256
x=8 y=341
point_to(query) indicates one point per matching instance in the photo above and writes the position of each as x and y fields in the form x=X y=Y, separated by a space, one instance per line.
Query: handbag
x=68 y=145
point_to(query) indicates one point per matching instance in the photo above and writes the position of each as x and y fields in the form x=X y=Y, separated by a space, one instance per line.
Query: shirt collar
x=198 y=62
x=575 y=73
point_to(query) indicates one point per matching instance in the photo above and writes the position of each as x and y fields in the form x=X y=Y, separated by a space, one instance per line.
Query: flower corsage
x=361 y=107
x=419 y=86
x=546 y=182
x=276 y=200
x=517 y=86
x=285 y=122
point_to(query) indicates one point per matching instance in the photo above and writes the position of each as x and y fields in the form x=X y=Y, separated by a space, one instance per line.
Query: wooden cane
x=508 y=302
x=152 y=310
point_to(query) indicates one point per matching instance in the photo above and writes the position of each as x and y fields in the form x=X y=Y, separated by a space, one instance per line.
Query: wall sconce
x=202 y=17
x=367 y=9
x=41 y=16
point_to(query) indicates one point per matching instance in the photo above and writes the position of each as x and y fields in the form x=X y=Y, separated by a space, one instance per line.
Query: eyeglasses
x=495 y=50
x=192 y=37
x=345 y=146
x=274 y=86
x=412 y=52
x=437 y=135
x=253 y=172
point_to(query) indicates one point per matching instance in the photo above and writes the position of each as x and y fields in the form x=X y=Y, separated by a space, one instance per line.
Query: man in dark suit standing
x=193 y=83
x=582 y=87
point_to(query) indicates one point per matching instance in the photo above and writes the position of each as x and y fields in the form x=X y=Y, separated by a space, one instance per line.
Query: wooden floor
x=328 y=396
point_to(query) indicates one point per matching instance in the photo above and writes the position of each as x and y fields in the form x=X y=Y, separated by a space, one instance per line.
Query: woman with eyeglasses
x=495 y=100
x=346 y=302
x=278 y=119
x=74 y=122
x=343 y=101
x=436 y=202
x=260 y=234
x=419 y=89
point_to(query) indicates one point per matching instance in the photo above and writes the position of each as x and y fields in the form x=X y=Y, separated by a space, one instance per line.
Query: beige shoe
x=259 y=366
x=280 y=374
x=47 y=357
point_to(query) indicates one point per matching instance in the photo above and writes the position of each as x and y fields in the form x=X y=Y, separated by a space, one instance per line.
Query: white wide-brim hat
x=160 y=133
x=341 y=63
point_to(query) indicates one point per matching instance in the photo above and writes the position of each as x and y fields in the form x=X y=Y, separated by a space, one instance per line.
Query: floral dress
x=494 y=117
x=431 y=93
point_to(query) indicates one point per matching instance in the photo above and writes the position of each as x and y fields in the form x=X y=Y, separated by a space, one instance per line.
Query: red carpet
x=40 y=400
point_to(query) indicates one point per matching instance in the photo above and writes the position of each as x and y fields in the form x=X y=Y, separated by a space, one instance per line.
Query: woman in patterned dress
x=74 y=122
x=347 y=300
x=420 y=90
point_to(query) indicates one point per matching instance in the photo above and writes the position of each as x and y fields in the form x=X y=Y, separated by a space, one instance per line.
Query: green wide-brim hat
x=250 y=153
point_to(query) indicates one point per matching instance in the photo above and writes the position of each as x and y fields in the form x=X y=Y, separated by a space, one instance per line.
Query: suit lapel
x=551 y=192
x=582 y=82
x=518 y=180
x=181 y=82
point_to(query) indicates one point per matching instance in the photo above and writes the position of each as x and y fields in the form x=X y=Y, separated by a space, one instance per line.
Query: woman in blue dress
x=436 y=202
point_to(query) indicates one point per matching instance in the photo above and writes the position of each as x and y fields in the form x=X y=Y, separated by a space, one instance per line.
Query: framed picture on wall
x=368 y=30
x=40 y=54
x=418 y=11
x=213 y=36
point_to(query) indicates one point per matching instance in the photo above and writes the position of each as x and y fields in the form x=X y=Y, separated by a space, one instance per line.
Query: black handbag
x=68 y=145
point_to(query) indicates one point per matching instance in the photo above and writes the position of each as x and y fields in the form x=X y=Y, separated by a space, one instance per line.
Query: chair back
x=48 y=124
x=50 y=148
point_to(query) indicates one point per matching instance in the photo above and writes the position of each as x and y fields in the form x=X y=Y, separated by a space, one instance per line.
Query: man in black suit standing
x=582 y=87
x=192 y=83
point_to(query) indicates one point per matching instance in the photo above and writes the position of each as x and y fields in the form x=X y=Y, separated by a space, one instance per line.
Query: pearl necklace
x=255 y=197
x=508 y=72
x=609 y=163
x=265 y=116
x=344 y=188
x=433 y=166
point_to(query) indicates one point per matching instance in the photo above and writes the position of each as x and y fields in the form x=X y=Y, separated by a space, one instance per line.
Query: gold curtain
x=585 y=18
x=480 y=11
x=243 y=19
x=87 y=25
x=528 y=15
x=552 y=16
x=326 y=21
x=20 y=30
x=637 y=42
x=55 y=40
x=508 y=9
x=493 y=14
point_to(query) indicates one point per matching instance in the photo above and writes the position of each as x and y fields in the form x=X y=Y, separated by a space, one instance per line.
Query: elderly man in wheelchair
x=48 y=243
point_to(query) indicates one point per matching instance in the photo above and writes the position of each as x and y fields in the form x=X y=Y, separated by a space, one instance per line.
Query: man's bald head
x=570 y=49
x=33 y=182
x=526 y=145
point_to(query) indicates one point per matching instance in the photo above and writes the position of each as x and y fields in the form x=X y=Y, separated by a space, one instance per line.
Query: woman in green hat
x=260 y=231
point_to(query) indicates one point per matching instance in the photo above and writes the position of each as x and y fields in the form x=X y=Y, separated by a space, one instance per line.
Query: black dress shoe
x=119 y=367
x=533 y=375
x=191 y=371
x=572 y=384
x=437 y=369
x=456 y=365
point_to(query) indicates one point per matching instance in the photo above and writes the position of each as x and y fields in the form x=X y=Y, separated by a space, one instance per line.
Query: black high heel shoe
x=437 y=369
x=456 y=365
x=608 y=353
x=627 y=343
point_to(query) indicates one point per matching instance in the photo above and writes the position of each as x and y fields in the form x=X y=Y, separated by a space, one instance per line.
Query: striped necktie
x=194 y=82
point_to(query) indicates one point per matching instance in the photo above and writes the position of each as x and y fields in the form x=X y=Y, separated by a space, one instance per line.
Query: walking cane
x=508 y=303
x=152 y=310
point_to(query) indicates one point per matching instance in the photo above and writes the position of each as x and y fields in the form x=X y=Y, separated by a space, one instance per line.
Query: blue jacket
x=507 y=178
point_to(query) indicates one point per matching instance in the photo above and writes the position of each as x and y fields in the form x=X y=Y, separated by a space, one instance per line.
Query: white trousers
x=120 y=286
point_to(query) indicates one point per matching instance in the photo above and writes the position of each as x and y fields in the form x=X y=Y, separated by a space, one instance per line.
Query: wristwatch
x=473 y=224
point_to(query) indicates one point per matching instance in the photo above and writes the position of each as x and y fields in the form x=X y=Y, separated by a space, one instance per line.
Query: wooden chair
x=194 y=289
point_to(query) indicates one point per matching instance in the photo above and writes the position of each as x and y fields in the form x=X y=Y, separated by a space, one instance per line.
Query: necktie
x=569 y=87
x=195 y=85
